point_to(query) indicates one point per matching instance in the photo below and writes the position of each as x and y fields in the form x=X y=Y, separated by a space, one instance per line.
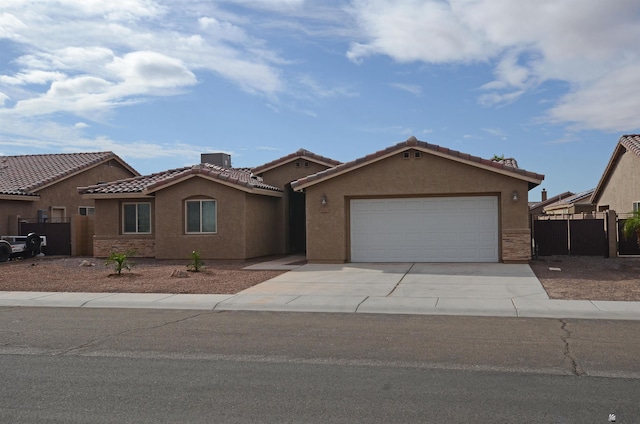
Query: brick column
x=516 y=246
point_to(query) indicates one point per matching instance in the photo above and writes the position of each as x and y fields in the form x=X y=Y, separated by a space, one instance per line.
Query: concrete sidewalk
x=426 y=289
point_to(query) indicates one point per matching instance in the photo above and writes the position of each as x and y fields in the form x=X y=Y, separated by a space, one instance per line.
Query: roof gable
x=299 y=154
x=626 y=143
x=240 y=178
x=507 y=166
x=25 y=175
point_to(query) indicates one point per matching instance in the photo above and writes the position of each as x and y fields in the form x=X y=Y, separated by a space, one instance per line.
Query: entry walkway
x=428 y=289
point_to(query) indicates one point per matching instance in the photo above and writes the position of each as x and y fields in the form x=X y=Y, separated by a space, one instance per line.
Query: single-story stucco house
x=414 y=201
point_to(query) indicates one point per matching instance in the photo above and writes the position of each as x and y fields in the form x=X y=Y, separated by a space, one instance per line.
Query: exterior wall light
x=515 y=196
x=323 y=200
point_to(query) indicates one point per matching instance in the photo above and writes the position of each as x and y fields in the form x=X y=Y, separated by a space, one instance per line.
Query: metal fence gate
x=58 y=235
x=570 y=235
x=626 y=247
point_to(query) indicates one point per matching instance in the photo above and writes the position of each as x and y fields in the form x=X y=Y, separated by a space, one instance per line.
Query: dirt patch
x=147 y=276
x=589 y=278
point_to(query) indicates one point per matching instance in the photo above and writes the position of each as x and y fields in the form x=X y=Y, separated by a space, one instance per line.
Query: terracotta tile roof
x=301 y=153
x=629 y=143
x=632 y=143
x=24 y=175
x=507 y=165
x=146 y=184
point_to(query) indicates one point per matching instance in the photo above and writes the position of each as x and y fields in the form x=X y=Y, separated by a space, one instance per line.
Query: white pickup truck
x=21 y=246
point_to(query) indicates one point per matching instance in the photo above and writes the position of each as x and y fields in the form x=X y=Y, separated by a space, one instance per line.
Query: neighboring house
x=619 y=186
x=579 y=203
x=224 y=213
x=43 y=188
x=537 y=208
x=416 y=201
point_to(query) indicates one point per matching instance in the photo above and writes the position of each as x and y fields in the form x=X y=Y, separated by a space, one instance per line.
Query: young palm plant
x=632 y=227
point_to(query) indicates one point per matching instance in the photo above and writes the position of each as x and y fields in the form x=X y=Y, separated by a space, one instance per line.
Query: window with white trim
x=136 y=218
x=86 y=210
x=201 y=216
x=636 y=206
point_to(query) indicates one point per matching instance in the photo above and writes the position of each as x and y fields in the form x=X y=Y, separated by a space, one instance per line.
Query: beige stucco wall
x=244 y=224
x=264 y=235
x=61 y=194
x=623 y=186
x=328 y=227
x=280 y=177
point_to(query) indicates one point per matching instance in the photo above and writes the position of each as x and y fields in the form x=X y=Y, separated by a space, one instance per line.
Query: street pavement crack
x=82 y=346
x=575 y=368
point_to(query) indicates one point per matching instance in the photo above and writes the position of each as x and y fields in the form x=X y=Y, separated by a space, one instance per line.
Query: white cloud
x=414 y=89
x=609 y=103
x=3 y=98
x=586 y=43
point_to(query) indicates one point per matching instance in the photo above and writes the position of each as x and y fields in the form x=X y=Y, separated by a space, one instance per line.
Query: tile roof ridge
x=413 y=142
x=301 y=152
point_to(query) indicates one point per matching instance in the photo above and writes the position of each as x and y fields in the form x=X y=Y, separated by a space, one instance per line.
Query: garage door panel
x=455 y=229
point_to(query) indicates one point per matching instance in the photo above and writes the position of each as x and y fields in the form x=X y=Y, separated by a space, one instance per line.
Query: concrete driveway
x=481 y=289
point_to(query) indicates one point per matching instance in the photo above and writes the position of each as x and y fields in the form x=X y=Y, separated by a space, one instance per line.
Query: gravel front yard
x=146 y=276
x=578 y=278
x=589 y=277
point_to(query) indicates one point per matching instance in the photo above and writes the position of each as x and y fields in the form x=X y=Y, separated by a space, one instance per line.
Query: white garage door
x=442 y=229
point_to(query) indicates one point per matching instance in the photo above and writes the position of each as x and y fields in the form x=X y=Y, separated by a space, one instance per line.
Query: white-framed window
x=86 y=210
x=201 y=216
x=636 y=206
x=136 y=218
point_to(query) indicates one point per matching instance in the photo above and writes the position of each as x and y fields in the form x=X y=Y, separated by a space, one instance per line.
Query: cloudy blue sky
x=553 y=83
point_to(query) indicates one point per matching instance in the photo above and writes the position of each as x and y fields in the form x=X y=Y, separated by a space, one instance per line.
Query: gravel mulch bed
x=146 y=276
x=589 y=277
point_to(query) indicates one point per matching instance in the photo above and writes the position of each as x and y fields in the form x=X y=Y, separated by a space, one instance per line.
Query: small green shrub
x=631 y=227
x=120 y=261
x=196 y=263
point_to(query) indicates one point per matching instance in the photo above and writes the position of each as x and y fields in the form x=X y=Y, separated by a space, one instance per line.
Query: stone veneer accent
x=516 y=245
x=144 y=248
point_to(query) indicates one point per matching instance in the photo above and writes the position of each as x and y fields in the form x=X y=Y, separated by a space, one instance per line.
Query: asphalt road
x=102 y=366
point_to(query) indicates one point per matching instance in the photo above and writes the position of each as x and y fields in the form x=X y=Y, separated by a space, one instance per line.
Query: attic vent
x=298 y=164
x=306 y=164
x=417 y=154
x=406 y=155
